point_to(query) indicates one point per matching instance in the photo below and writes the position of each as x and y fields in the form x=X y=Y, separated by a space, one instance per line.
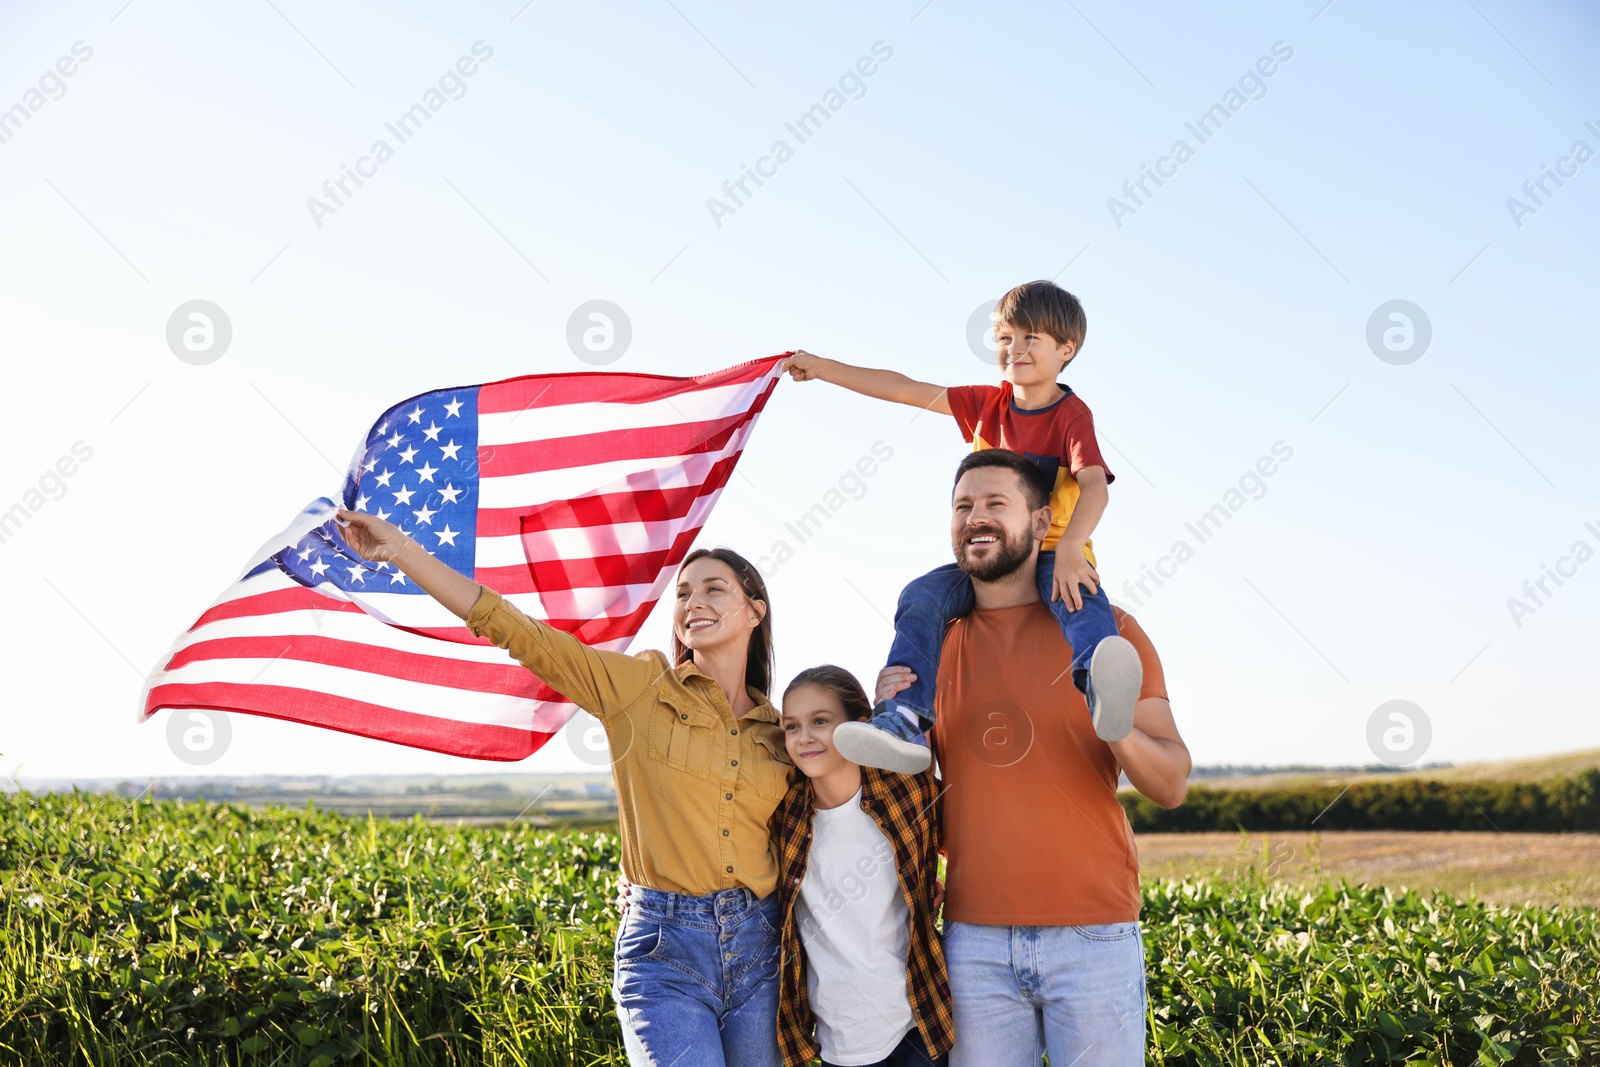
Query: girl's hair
x=841 y=683
x=758 y=664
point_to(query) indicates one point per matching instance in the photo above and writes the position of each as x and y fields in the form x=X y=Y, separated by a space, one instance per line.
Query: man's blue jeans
x=697 y=979
x=1076 y=992
x=929 y=604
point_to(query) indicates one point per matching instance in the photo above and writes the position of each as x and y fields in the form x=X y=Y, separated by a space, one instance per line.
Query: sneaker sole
x=1117 y=675
x=868 y=746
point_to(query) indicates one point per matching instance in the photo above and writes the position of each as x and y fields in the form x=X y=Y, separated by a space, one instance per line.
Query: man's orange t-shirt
x=1034 y=834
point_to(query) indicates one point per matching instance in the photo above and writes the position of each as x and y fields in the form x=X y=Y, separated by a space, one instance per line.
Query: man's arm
x=868 y=381
x=1153 y=756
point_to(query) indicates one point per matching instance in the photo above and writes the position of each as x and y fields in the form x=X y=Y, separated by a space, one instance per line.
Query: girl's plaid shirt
x=905 y=807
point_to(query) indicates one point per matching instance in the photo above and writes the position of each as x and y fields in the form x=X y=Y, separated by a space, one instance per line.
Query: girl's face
x=711 y=610
x=810 y=712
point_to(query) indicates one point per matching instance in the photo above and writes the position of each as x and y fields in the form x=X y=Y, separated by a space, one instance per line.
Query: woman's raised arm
x=601 y=683
x=381 y=541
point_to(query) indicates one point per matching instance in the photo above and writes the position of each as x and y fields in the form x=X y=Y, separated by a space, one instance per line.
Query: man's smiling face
x=992 y=529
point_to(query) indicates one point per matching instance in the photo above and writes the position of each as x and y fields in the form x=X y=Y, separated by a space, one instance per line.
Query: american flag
x=573 y=495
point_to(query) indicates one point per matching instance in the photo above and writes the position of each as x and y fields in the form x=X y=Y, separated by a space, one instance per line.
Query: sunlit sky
x=1228 y=315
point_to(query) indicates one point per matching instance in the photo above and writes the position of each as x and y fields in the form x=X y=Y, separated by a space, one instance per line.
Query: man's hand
x=1071 y=571
x=892 y=680
x=802 y=365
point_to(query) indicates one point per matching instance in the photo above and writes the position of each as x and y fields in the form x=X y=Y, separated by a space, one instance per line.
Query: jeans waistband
x=708 y=907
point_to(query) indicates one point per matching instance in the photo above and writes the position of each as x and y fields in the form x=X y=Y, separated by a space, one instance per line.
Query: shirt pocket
x=683 y=735
x=771 y=770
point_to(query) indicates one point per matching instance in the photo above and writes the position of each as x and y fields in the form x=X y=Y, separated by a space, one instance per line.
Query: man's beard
x=1012 y=551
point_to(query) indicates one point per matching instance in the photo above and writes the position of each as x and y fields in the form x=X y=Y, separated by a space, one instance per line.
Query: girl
x=859 y=849
x=700 y=766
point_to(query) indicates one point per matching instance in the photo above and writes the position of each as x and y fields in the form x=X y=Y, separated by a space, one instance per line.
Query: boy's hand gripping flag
x=573 y=495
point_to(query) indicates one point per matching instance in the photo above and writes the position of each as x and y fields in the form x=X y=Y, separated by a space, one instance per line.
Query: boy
x=1039 y=328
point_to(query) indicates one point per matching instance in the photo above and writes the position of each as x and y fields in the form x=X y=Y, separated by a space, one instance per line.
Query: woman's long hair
x=758 y=663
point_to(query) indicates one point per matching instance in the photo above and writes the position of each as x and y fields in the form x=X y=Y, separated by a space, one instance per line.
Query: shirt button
x=724 y=833
x=735 y=733
x=727 y=796
x=733 y=762
x=730 y=870
x=684 y=716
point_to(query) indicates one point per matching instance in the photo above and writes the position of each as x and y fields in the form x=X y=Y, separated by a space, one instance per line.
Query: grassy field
x=1511 y=869
x=173 y=933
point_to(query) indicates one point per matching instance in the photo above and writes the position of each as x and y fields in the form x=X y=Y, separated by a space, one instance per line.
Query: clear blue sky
x=1227 y=312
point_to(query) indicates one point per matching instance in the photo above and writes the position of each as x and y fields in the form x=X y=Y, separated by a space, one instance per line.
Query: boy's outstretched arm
x=868 y=381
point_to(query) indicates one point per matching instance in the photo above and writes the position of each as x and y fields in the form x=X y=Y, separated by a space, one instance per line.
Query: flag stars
x=449 y=493
x=370 y=465
x=361 y=502
x=414 y=416
x=408 y=455
x=398 y=577
x=450 y=449
x=432 y=432
x=384 y=515
x=453 y=409
x=383 y=479
x=447 y=536
x=425 y=515
x=358 y=574
x=404 y=495
x=394 y=441
x=305 y=553
x=426 y=471
x=318 y=567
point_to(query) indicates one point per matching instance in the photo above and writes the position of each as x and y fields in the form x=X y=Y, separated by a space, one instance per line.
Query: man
x=1042 y=888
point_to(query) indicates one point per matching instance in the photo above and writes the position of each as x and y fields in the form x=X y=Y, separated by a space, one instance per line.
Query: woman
x=700 y=766
x=863 y=975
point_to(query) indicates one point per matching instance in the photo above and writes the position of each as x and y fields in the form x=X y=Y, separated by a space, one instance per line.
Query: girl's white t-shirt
x=855 y=927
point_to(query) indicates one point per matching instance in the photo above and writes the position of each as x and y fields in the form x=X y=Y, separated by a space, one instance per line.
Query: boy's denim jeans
x=697 y=979
x=1076 y=992
x=929 y=604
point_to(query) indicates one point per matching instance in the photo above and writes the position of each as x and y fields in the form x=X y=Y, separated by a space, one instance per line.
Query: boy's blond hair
x=1044 y=307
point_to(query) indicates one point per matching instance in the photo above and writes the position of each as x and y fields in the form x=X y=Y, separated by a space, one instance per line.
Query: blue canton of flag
x=419 y=470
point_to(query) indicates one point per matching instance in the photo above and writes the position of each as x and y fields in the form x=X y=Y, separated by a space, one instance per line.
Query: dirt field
x=1505 y=868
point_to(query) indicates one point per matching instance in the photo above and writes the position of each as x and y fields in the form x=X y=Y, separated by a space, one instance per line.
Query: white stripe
x=588 y=417
x=435 y=701
x=622 y=539
x=665 y=472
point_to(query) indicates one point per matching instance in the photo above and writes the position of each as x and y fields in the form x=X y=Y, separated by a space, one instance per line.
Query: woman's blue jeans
x=696 y=979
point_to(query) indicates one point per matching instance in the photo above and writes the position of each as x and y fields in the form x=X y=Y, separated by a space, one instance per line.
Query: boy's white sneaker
x=864 y=744
x=1115 y=676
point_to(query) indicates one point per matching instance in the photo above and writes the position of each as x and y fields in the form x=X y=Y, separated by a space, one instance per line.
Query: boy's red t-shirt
x=1059 y=438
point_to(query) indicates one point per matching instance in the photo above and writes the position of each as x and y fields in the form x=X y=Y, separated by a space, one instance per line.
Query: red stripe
x=550 y=390
x=508 y=679
x=610 y=446
x=589 y=572
x=352 y=717
x=279 y=600
x=647 y=505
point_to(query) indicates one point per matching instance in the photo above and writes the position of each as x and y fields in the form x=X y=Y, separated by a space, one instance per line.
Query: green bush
x=1556 y=806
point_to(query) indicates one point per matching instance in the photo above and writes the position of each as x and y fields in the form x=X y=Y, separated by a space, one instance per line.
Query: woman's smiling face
x=810 y=712
x=711 y=610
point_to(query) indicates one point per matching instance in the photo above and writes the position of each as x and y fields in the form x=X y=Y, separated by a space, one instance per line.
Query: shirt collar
x=763 y=710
